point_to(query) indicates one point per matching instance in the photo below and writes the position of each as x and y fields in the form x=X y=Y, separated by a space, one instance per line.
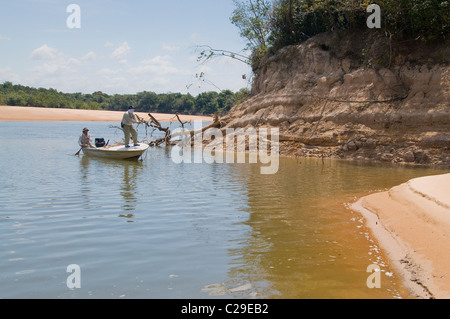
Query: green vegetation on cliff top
x=271 y=25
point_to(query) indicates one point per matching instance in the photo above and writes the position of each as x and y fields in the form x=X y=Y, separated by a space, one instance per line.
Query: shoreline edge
x=411 y=223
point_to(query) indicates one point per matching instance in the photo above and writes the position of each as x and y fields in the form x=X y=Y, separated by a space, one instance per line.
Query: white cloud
x=107 y=72
x=118 y=73
x=121 y=52
x=115 y=84
x=53 y=56
x=7 y=74
x=158 y=60
x=90 y=56
x=62 y=71
x=53 y=69
x=70 y=61
x=44 y=53
x=204 y=68
x=171 y=48
x=3 y=37
x=159 y=65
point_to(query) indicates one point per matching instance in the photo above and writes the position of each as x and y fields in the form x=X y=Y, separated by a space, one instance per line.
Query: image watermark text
x=74 y=279
x=74 y=19
x=233 y=145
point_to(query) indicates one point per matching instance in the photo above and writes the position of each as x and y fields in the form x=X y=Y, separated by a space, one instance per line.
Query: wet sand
x=21 y=113
x=412 y=225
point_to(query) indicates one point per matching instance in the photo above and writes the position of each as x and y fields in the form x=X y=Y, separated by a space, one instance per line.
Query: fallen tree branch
x=215 y=123
x=168 y=136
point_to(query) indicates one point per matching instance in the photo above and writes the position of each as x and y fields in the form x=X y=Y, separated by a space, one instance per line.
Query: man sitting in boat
x=127 y=125
x=85 y=139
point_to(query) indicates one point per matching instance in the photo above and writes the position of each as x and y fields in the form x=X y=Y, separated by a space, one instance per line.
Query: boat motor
x=100 y=142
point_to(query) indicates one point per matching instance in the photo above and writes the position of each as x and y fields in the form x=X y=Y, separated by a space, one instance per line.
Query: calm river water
x=157 y=229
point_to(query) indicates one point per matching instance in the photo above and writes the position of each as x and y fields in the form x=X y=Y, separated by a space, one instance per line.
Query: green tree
x=188 y=105
x=225 y=101
x=147 y=101
x=295 y=21
x=99 y=97
x=7 y=86
x=253 y=18
x=410 y=19
x=207 y=103
x=16 y=98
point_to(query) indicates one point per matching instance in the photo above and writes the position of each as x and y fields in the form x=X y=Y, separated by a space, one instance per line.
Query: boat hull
x=117 y=152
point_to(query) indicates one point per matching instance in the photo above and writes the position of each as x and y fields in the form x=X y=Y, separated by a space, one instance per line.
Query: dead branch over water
x=168 y=135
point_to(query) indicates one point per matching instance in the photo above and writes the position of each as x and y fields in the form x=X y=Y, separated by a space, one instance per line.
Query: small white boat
x=116 y=152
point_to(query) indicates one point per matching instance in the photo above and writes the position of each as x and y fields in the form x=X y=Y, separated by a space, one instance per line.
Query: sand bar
x=22 y=113
x=412 y=225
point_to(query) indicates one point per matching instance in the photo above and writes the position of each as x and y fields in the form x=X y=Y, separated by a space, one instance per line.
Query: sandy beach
x=412 y=225
x=21 y=113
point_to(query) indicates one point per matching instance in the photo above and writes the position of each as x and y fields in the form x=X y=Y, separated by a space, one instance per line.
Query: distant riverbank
x=22 y=113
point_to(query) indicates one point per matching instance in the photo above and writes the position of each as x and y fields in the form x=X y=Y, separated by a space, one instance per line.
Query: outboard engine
x=100 y=142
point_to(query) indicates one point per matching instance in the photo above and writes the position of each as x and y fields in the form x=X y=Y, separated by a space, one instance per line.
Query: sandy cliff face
x=330 y=97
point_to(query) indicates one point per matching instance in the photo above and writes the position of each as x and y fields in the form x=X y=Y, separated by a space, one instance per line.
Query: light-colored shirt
x=129 y=119
x=84 y=140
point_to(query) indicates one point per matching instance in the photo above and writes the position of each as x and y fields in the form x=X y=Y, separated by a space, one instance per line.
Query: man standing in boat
x=127 y=125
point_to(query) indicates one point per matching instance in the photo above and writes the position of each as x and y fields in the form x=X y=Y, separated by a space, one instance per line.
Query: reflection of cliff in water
x=304 y=242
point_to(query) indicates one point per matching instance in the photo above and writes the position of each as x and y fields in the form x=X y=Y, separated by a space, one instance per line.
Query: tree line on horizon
x=203 y=104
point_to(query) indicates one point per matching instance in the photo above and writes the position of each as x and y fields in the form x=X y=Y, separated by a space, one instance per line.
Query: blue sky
x=122 y=46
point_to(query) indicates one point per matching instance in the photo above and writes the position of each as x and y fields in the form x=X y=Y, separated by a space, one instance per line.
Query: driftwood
x=192 y=133
x=154 y=123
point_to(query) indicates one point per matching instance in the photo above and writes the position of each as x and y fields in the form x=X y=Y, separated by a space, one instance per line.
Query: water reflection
x=128 y=188
x=304 y=242
x=103 y=172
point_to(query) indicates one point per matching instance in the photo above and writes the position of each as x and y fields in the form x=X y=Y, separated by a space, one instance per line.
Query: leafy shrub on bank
x=293 y=21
